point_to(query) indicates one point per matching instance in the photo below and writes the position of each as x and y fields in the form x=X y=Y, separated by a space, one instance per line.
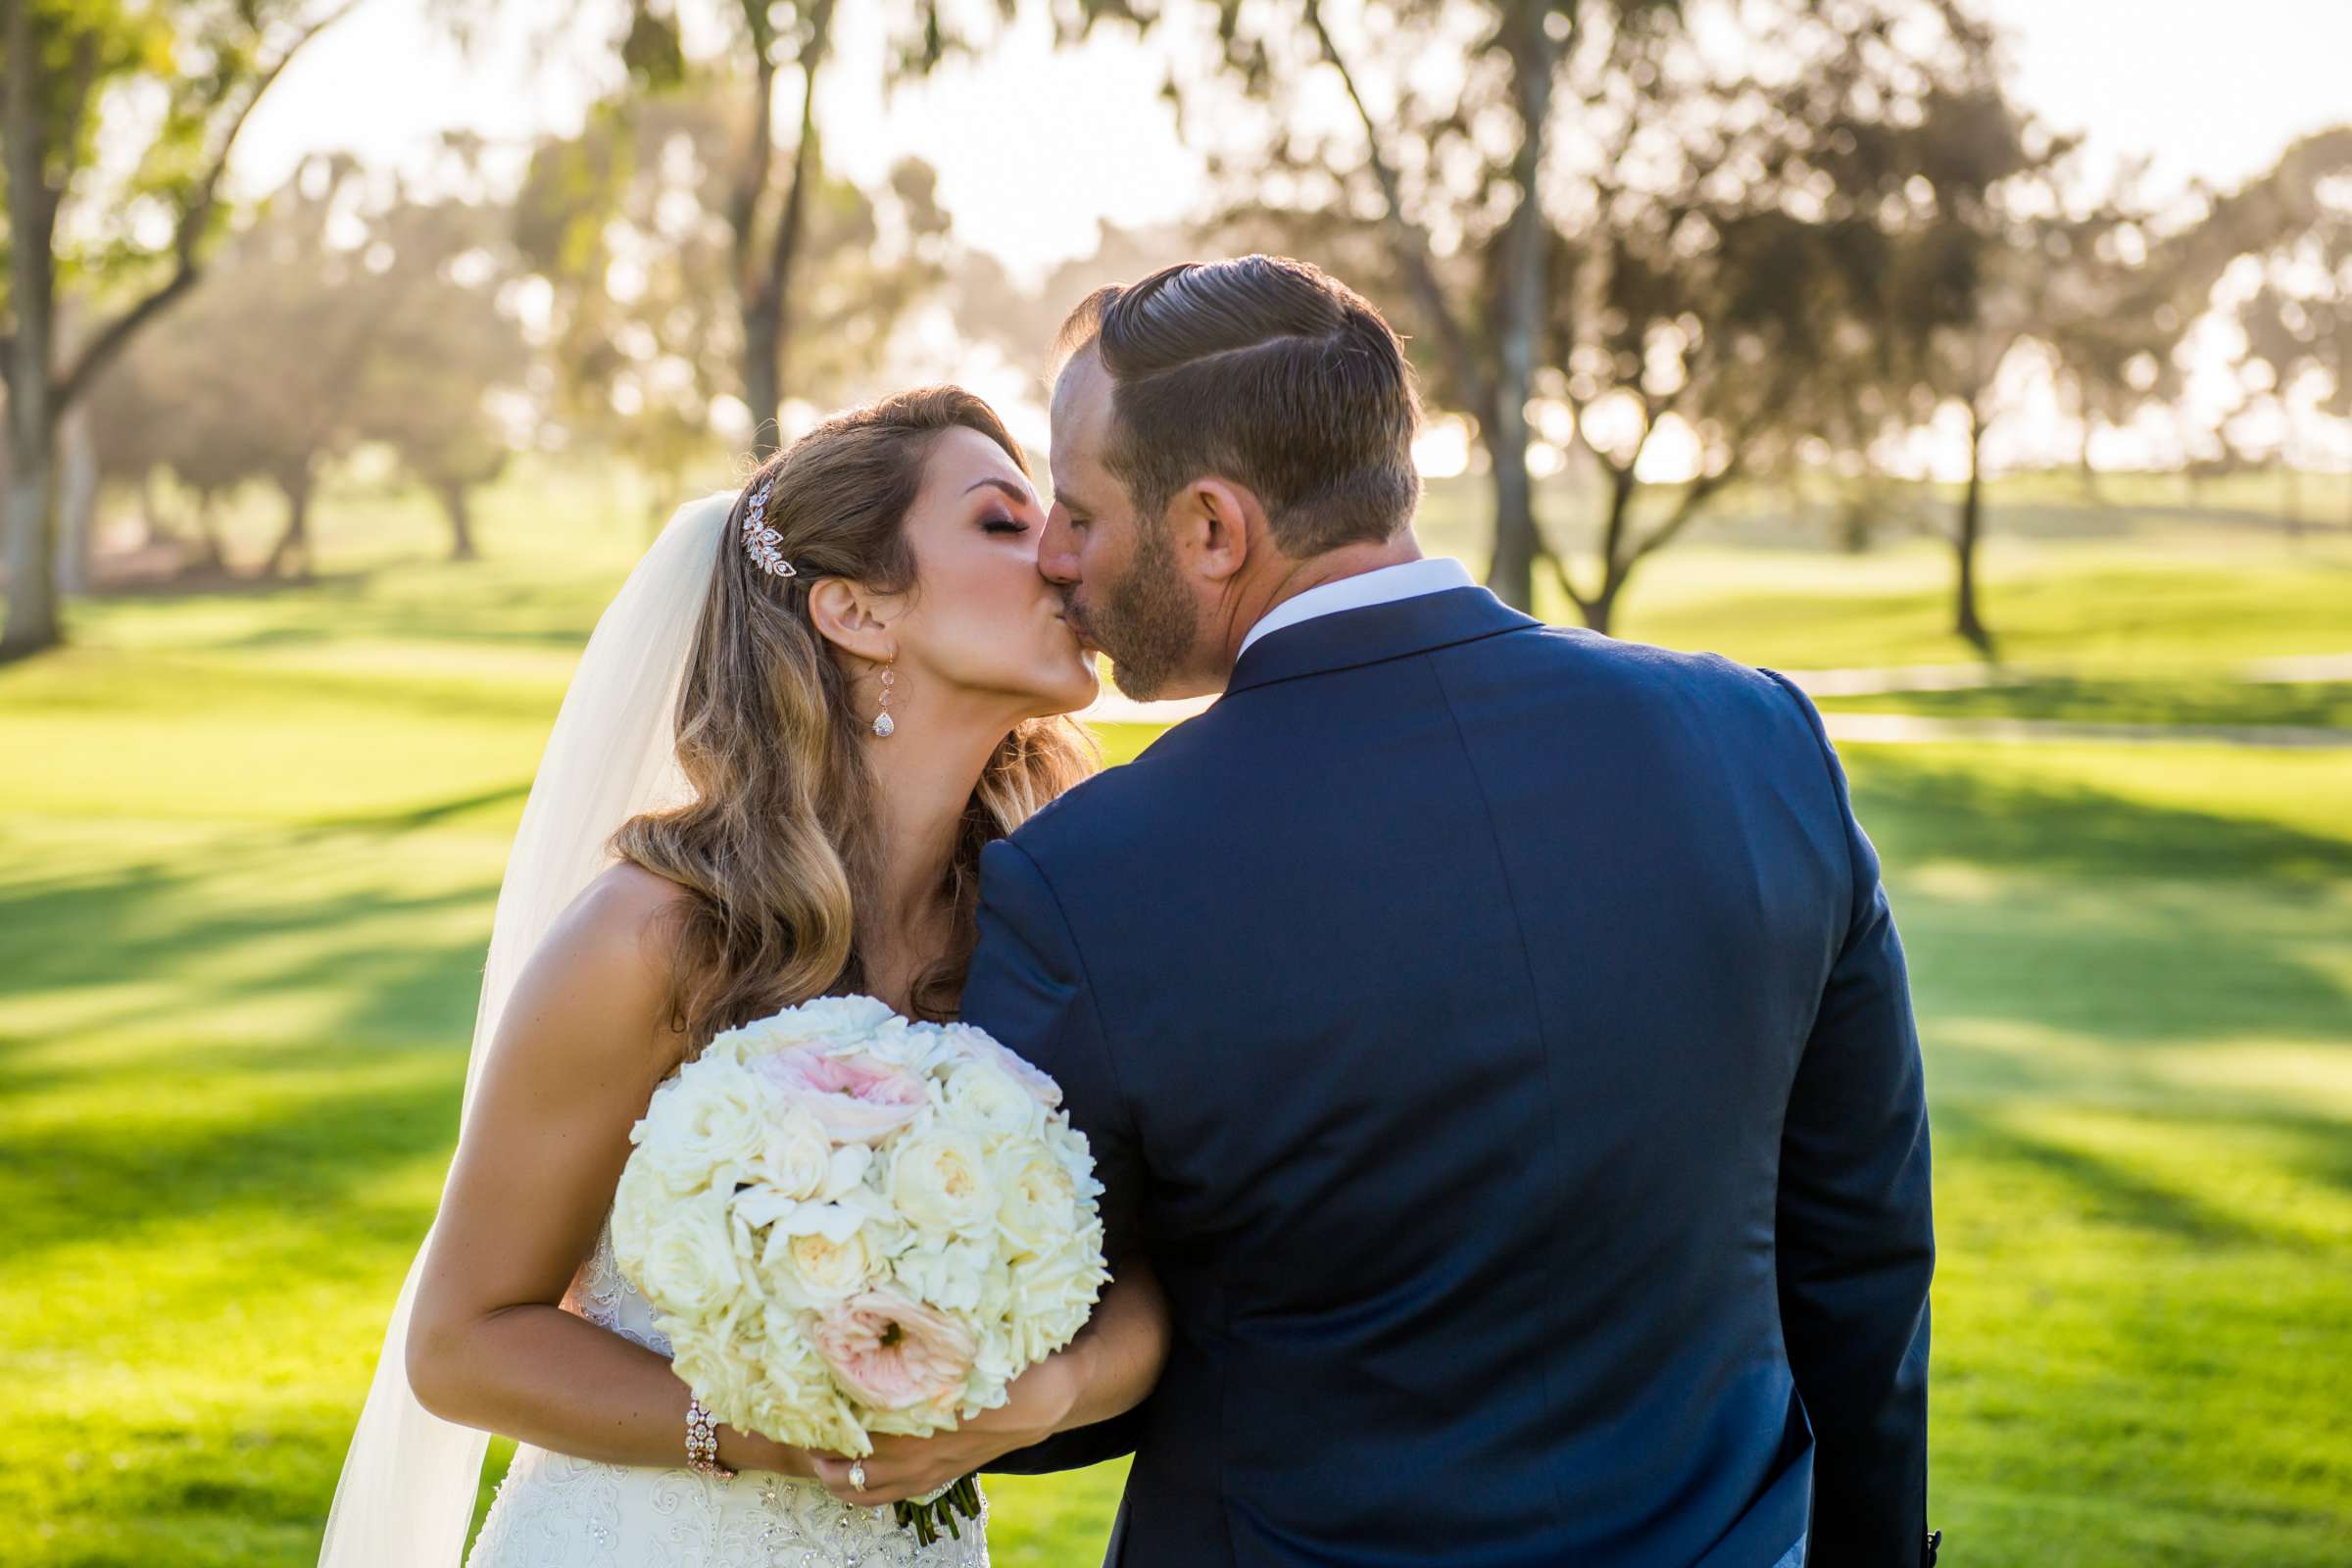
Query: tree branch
x=110 y=339
x=1695 y=500
x=1405 y=239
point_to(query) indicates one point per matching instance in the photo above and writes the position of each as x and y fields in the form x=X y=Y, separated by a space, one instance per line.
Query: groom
x=1494 y=1036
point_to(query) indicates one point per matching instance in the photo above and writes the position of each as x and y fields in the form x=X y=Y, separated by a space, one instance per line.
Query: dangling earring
x=883 y=724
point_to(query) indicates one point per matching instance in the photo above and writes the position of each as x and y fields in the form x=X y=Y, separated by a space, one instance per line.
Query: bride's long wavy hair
x=777 y=848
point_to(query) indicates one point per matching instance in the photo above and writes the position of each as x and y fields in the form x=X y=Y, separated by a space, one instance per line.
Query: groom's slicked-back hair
x=1266 y=371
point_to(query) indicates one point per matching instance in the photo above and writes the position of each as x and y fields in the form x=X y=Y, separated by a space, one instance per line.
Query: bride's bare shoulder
x=617 y=941
x=626 y=900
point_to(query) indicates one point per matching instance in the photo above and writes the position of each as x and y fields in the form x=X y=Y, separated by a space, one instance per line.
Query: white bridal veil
x=410 y=1478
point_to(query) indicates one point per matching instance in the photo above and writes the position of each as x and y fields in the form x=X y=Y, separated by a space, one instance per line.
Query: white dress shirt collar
x=1381 y=587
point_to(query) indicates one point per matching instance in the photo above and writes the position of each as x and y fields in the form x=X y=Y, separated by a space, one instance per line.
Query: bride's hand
x=899 y=1468
x=749 y=1451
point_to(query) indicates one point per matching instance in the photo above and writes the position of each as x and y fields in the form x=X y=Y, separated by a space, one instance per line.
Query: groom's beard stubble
x=1145 y=620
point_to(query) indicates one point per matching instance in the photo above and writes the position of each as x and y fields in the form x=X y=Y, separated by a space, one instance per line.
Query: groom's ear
x=1215 y=526
x=851 y=619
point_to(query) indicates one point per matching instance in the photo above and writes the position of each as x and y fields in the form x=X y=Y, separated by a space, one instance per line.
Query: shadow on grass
x=1920 y=811
x=2110 y=1192
x=409 y=820
x=310 y=1157
x=159 y=921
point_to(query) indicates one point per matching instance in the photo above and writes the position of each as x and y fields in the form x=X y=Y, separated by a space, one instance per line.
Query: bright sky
x=1034 y=147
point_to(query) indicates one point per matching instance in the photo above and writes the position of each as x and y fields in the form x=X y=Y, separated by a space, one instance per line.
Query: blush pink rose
x=892 y=1354
x=857 y=1098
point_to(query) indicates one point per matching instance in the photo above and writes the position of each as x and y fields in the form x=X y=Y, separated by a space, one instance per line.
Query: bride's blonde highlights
x=776 y=846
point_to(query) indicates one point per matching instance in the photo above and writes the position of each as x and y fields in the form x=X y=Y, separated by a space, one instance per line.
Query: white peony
x=951 y=1275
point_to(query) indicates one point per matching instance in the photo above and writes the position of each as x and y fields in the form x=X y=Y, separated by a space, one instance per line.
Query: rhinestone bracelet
x=702 y=1442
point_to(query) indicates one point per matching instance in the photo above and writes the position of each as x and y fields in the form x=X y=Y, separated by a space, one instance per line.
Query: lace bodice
x=557 y=1511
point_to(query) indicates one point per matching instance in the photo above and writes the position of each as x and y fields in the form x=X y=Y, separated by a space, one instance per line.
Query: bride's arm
x=584 y=1040
x=1102 y=1374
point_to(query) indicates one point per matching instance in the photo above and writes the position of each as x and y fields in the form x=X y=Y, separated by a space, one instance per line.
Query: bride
x=793 y=731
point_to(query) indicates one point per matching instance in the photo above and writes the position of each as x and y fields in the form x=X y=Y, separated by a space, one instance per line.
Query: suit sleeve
x=1027 y=987
x=1856 y=1237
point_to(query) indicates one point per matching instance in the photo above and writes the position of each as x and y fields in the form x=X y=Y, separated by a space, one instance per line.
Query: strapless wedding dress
x=557 y=1511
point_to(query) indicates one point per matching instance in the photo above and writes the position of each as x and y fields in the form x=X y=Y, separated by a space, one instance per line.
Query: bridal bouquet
x=849 y=1224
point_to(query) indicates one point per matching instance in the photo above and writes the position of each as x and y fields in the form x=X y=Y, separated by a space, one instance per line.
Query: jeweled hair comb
x=761 y=542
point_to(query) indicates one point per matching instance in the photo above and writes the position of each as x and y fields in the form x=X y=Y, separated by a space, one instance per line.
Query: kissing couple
x=1492 y=1039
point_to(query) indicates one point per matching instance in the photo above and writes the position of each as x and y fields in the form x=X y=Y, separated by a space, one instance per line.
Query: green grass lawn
x=249 y=843
x=2313 y=705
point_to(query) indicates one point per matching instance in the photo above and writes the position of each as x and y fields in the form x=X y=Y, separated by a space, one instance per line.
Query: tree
x=2110 y=318
x=1965 y=199
x=344 y=313
x=625 y=221
x=1606 y=217
x=2262 y=223
x=66 y=68
x=2298 y=319
x=445 y=344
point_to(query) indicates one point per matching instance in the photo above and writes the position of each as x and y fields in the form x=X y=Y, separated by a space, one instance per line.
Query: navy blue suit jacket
x=1496 y=1039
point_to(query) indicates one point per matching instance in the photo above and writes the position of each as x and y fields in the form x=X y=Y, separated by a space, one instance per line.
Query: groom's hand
x=899 y=1468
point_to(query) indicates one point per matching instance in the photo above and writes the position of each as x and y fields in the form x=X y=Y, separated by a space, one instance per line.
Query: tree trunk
x=764 y=287
x=290 y=557
x=33 y=622
x=763 y=375
x=151 y=514
x=76 y=505
x=1512 y=572
x=461 y=521
x=208 y=528
x=1600 y=614
x=1854 y=518
x=32 y=605
x=1968 y=623
x=1617 y=556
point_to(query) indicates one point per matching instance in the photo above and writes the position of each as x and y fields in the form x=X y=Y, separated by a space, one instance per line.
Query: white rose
x=1039 y=1208
x=711 y=1117
x=688 y=1267
x=904 y=1044
x=979 y=1044
x=794 y=1156
x=828 y=1270
x=821 y=1021
x=939 y=1182
x=638 y=1205
x=721 y=1368
x=1070 y=1149
x=985 y=1097
x=1053 y=1295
